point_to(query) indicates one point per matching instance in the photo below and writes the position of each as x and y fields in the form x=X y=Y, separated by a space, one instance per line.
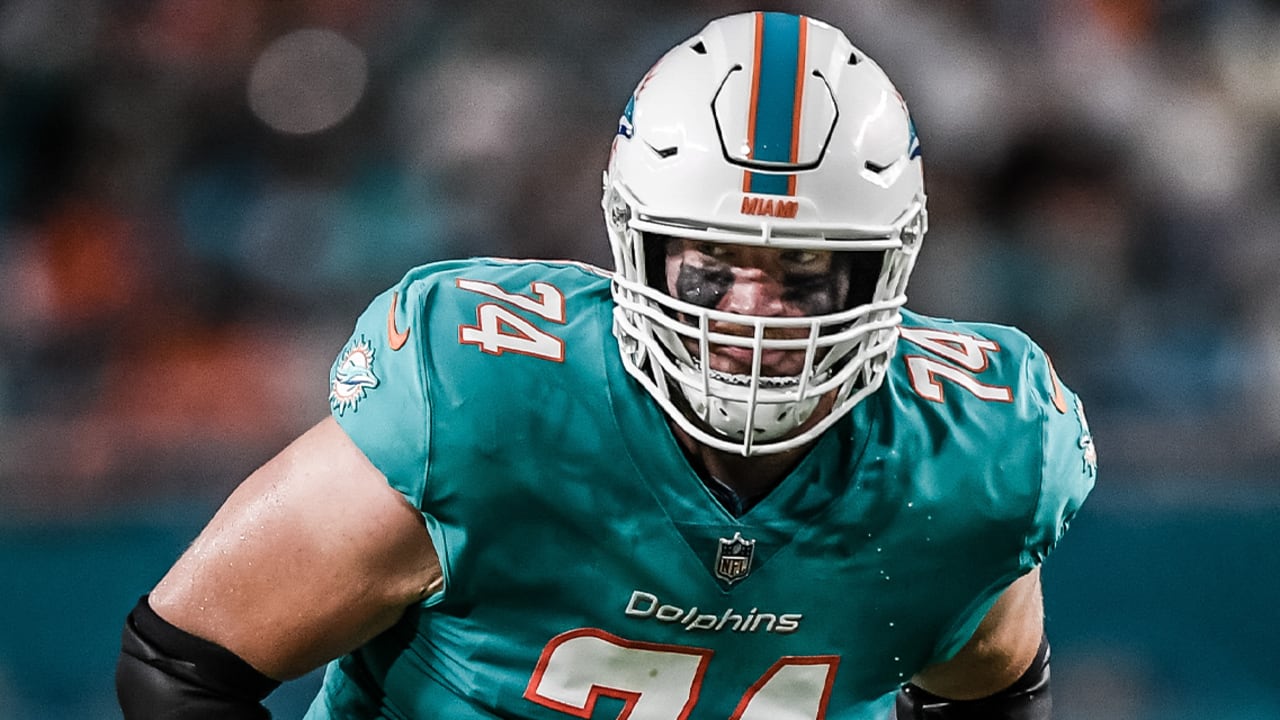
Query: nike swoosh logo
x=395 y=338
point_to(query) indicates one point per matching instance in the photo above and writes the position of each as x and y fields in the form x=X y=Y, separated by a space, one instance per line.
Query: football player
x=733 y=478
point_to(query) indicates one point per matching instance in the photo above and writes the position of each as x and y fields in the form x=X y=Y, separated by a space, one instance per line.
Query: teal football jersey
x=588 y=571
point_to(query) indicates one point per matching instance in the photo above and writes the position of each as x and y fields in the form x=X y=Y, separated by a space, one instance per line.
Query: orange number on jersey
x=663 y=682
x=499 y=329
x=964 y=356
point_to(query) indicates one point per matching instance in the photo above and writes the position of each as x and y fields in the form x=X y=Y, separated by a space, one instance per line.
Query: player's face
x=767 y=282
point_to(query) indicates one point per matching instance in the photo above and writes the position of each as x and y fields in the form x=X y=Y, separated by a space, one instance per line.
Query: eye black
x=703 y=286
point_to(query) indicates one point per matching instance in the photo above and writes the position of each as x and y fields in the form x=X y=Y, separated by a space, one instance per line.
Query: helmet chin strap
x=770 y=421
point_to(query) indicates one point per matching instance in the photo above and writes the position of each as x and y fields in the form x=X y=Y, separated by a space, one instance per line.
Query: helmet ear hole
x=616 y=212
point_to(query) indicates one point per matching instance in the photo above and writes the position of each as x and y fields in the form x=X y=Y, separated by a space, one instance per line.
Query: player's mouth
x=732 y=360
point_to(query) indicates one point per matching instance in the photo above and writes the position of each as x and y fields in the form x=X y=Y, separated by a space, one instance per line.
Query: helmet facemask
x=668 y=342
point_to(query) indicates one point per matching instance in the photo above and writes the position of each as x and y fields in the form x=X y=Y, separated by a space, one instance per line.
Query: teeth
x=765 y=380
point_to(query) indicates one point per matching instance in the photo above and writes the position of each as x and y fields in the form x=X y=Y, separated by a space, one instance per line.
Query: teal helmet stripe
x=776 y=70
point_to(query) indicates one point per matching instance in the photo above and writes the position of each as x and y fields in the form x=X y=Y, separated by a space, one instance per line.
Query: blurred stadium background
x=198 y=198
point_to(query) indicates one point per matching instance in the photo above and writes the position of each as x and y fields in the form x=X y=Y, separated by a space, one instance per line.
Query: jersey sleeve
x=1056 y=476
x=1069 y=462
x=377 y=387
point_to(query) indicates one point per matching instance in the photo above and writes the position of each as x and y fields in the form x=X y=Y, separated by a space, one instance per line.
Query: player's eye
x=806 y=260
x=713 y=250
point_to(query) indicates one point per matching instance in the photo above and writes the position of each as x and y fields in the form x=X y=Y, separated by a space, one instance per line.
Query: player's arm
x=1001 y=673
x=312 y=556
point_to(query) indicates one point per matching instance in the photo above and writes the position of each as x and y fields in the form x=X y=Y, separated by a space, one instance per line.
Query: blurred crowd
x=198 y=198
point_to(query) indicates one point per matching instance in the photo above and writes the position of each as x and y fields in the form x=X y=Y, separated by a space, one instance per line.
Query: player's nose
x=753 y=293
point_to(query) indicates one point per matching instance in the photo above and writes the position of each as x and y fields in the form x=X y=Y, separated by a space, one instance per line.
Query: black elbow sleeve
x=1028 y=698
x=165 y=673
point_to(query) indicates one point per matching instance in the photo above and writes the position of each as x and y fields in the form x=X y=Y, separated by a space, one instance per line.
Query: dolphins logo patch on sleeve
x=352 y=376
x=1086 y=442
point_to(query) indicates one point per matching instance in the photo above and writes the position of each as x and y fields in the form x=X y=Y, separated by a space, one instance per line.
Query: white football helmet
x=771 y=130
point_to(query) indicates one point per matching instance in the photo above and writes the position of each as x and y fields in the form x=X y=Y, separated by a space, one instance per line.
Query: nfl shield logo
x=733 y=558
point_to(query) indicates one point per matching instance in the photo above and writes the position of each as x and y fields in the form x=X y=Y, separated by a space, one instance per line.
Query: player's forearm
x=1028 y=698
